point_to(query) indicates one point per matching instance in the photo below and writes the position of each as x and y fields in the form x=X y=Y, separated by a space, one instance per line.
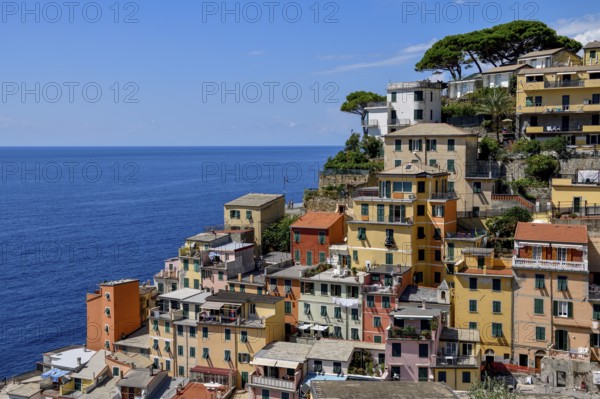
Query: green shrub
x=526 y=147
x=541 y=167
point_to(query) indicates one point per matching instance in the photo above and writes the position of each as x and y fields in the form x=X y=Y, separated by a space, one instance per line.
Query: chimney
x=424 y=306
x=239 y=276
x=79 y=361
x=251 y=278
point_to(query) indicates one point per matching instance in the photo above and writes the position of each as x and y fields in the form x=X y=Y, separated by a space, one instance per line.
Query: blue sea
x=71 y=218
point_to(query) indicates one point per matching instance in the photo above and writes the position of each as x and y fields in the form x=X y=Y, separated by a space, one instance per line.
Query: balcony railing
x=378 y=288
x=278 y=383
x=576 y=355
x=399 y=122
x=374 y=123
x=564 y=83
x=441 y=196
x=550 y=264
x=156 y=313
x=594 y=292
x=456 y=361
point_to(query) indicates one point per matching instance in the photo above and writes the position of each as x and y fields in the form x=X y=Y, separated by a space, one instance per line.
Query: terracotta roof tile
x=544 y=232
x=318 y=220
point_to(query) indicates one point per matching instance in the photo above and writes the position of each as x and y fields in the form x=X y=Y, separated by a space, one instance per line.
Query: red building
x=313 y=233
x=383 y=286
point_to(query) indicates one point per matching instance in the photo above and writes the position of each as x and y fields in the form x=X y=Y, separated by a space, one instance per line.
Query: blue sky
x=225 y=72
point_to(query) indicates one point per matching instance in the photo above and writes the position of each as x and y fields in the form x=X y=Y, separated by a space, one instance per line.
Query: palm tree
x=498 y=104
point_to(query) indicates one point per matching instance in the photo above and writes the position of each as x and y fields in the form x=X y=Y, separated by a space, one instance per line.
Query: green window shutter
x=538 y=306
x=570 y=305
x=554 y=308
x=398 y=145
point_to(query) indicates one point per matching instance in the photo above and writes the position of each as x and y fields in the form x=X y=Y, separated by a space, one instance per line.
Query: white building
x=460 y=88
x=501 y=76
x=408 y=103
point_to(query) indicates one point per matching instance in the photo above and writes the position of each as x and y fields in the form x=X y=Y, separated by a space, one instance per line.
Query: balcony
x=374 y=123
x=420 y=84
x=456 y=361
x=591 y=129
x=578 y=355
x=378 y=288
x=287 y=383
x=399 y=122
x=564 y=83
x=408 y=333
x=594 y=292
x=535 y=129
x=171 y=315
x=450 y=195
x=549 y=264
x=593 y=83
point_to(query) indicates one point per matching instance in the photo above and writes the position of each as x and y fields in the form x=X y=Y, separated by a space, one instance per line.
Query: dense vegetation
x=276 y=236
x=358 y=154
x=502 y=228
x=357 y=101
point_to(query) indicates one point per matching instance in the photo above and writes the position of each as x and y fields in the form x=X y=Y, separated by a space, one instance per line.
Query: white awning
x=287 y=364
x=264 y=362
x=534 y=74
x=522 y=244
x=212 y=305
x=317 y=327
x=304 y=327
x=565 y=73
x=579 y=247
x=413 y=317
x=593 y=71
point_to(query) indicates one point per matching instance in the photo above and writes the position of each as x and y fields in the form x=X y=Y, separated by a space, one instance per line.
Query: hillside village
x=467 y=249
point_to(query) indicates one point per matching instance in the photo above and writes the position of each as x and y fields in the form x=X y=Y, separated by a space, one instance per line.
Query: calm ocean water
x=73 y=217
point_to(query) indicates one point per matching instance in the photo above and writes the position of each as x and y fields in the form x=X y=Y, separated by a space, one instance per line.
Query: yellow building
x=560 y=95
x=232 y=327
x=482 y=299
x=255 y=212
x=553 y=317
x=190 y=256
x=458 y=359
x=578 y=196
x=404 y=221
x=453 y=150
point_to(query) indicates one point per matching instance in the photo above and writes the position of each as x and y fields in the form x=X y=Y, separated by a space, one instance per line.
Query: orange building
x=113 y=312
x=312 y=234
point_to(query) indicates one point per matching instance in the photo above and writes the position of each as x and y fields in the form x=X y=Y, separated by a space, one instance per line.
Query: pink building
x=224 y=263
x=412 y=342
x=280 y=368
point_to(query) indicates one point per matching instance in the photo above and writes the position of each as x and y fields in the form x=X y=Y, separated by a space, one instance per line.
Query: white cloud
x=583 y=29
x=256 y=53
x=404 y=55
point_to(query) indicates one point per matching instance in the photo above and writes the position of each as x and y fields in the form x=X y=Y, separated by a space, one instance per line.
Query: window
x=181 y=370
x=376 y=321
x=596 y=312
x=418 y=114
x=318 y=366
x=437 y=276
x=480 y=262
x=540 y=333
x=155 y=344
x=402 y=187
x=161 y=288
x=227 y=334
x=477 y=187
x=396 y=350
x=437 y=211
x=288 y=307
x=561 y=340
x=385 y=302
x=321 y=237
x=296 y=236
x=450 y=144
x=380 y=213
x=192 y=352
x=220 y=276
x=249 y=215
x=337 y=332
x=362 y=233
x=297 y=255
x=415 y=145
x=186 y=282
x=421 y=254
x=398 y=145
x=154 y=325
x=562 y=309
x=180 y=331
x=186 y=265
x=377 y=339
x=595 y=98
x=394 y=96
x=450 y=165
x=389 y=259
x=423 y=375
x=539 y=281
x=323 y=310
x=309 y=258
x=419 y=95
x=354 y=314
x=431 y=145
x=562 y=254
x=538 y=306
x=420 y=232
x=595 y=340
x=423 y=350
x=397 y=162
x=496 y=284
x=561 y=283
x=244 y=336
x=244 y=357
x=307 y=308
x=496 y=330
x=420 y=210
x=441 y=376
x=337 y=367
x=234 y=214
x=354 y=334
x=466 y=377
x=472 y=325
x=472 y=305
x=196 y=284
x=433 y=162
x=227 y=356
x=473 y=283
x=179 y=350
x=337 y=312
x=324 y=289
x=497 y=307
x=355 y=255
x=364 y=209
